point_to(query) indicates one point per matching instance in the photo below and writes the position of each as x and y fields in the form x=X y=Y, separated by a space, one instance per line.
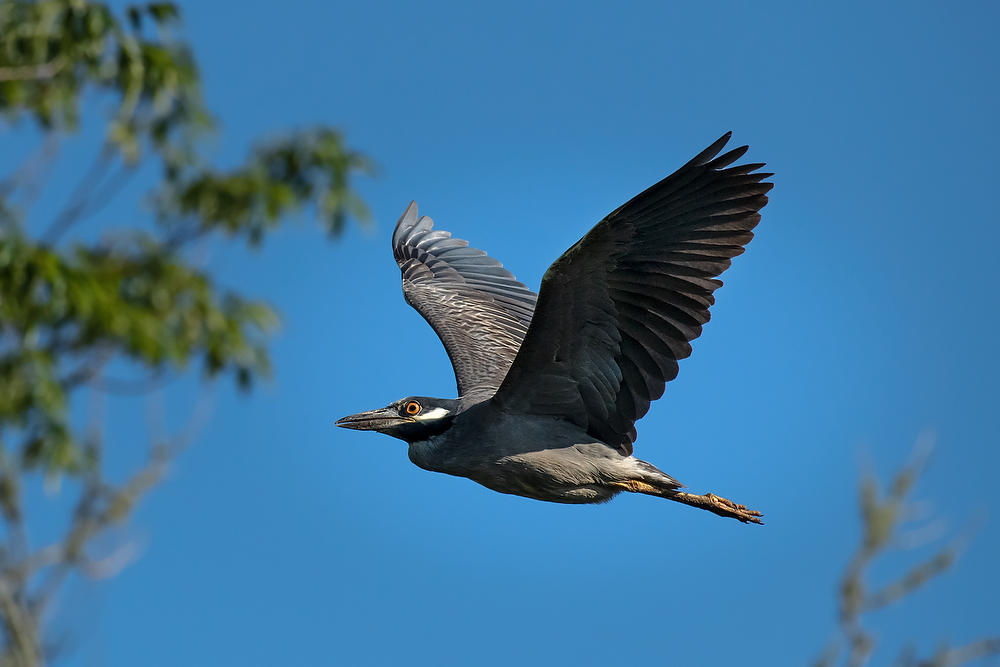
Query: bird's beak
x=373 y=420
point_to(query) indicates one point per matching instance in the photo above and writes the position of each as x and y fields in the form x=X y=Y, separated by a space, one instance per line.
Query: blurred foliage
x=52 y=51
x=278 y=178
x=90 y=304
x=69 y=308
x=884 y=519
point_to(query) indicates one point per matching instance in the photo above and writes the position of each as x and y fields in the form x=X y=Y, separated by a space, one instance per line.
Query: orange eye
x=412 y=408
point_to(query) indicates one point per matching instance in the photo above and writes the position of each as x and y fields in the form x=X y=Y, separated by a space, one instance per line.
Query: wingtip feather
x=405 y=222
x=713 y=150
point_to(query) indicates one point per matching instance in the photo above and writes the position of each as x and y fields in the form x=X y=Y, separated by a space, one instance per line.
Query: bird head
x=410 y=419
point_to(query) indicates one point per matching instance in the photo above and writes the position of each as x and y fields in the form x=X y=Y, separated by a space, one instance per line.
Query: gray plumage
x=550 y=386
x=477 y=308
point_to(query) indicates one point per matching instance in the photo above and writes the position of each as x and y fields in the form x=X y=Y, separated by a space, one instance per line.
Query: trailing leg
x=654 y=482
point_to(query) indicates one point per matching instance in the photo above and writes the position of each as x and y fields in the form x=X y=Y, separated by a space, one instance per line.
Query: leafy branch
x=71 y=310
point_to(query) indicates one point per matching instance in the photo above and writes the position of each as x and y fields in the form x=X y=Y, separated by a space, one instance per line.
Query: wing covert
x=477 y=308
x=619 y=309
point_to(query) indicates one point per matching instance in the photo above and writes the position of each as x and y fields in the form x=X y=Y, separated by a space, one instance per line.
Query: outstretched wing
x=476 y=307
x=620 y=308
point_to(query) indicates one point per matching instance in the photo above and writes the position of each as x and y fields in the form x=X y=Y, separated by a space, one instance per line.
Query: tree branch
x=21 y=630
x=29 y=167
x=912 y=580
x=78 y=200
x=33 y=72
x=883 y=516
x=984 y=648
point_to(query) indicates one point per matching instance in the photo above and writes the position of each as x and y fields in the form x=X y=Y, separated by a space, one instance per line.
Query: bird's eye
x=412 y=408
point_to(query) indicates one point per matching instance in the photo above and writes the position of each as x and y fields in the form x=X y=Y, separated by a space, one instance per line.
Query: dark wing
x=620 y=308
x=476 y=307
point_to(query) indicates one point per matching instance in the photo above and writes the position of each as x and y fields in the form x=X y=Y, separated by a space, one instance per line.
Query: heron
x=550 y=385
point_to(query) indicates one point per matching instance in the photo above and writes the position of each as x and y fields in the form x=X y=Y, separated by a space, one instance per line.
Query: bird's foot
x=719 y=505
x=734 y=510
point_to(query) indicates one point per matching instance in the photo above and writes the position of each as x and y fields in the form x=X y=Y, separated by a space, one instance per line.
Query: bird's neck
x=430 y=454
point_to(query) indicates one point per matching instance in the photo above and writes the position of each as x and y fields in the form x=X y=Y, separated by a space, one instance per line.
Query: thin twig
x=33 y=72
x=884 y=514
x=108 y=190
x=155 y=381
x=88 y=370
x=78 y=200
x=30 y=165
x=101 y=506
x=912 y=580
x=984 y=648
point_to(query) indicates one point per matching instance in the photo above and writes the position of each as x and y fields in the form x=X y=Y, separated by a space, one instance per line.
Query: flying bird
x=550 y=385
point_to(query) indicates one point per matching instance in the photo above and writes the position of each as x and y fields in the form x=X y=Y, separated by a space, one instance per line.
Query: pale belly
x=575 y=474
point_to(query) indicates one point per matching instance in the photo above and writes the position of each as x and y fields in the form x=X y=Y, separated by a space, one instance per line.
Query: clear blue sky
x=864 y=312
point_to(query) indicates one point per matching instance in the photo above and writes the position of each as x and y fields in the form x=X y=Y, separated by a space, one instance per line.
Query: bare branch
x=829 y=655
x=33 y=72
x=108 y=190
x=78 y=200
x=101 y=506
x=21 y=630
x=110 y=565
x=28 y=170
x=912 y=580
x=883 y=518
x=155 y=381
x=89 y=369
x=914 y=538
x=955 y=657
x=42 y=558
x=862 y=645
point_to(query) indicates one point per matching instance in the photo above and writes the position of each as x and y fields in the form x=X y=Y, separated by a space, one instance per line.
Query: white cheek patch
x=436 y=413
